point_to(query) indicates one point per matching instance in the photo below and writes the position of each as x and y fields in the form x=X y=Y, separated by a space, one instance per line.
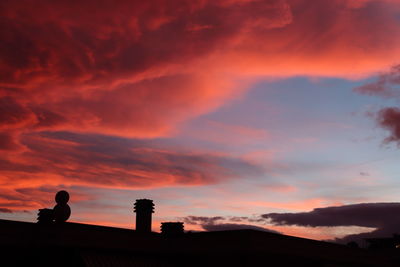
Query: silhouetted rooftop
x=84 y=245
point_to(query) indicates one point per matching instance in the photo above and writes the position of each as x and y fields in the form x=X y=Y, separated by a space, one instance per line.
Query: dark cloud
x=386 y=85
x=235 y=226
x=5 y=210
x=364 y=214
x=384 y=217
x=47 y=119
x=194 y=220
x=117 y=162
x=389 y=119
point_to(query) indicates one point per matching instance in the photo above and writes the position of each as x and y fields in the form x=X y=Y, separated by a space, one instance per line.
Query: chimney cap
x=144 y=205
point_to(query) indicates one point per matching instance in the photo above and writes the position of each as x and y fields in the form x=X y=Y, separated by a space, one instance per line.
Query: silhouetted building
x=172 y=229
x=353 y=244
x=384 y=243
x=73 y=244
x=144 y=209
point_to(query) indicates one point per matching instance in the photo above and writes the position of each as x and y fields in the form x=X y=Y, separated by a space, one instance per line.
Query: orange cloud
x=323 y=38
x=308 y=204
x=138 y=69
x=65 y=159
x=19 y=199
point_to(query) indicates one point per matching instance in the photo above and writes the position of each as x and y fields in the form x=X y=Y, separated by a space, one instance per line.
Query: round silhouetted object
x=62 y=197
x=61 y=212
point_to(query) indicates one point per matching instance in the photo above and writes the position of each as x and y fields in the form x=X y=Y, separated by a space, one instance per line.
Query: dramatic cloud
x=23 y=199
x=386 y=85
x=65 y=159
x=137 y=69
x=85 y=86
x=125 y=69
x=384 y=217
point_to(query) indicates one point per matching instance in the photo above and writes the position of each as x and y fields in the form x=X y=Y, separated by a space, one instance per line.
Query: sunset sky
x=274 y=114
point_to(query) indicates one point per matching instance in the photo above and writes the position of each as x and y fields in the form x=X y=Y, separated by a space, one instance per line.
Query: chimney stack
x=143 y=208
x=172 y=229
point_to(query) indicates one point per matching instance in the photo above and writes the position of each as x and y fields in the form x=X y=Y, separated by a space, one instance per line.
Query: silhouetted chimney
x=143 y=208
x=172 y=229
x=45 y=216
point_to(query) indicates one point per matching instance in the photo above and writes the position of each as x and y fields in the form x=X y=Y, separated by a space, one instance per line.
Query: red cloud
x=65 y=159
x=32 y=198
x=13 y=114
x=9 y=141
x=139 y=68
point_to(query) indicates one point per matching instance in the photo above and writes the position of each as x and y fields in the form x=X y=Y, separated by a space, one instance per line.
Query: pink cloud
x=65 y=159
x=308 y=204
x=80 y=67
x=139 y=69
